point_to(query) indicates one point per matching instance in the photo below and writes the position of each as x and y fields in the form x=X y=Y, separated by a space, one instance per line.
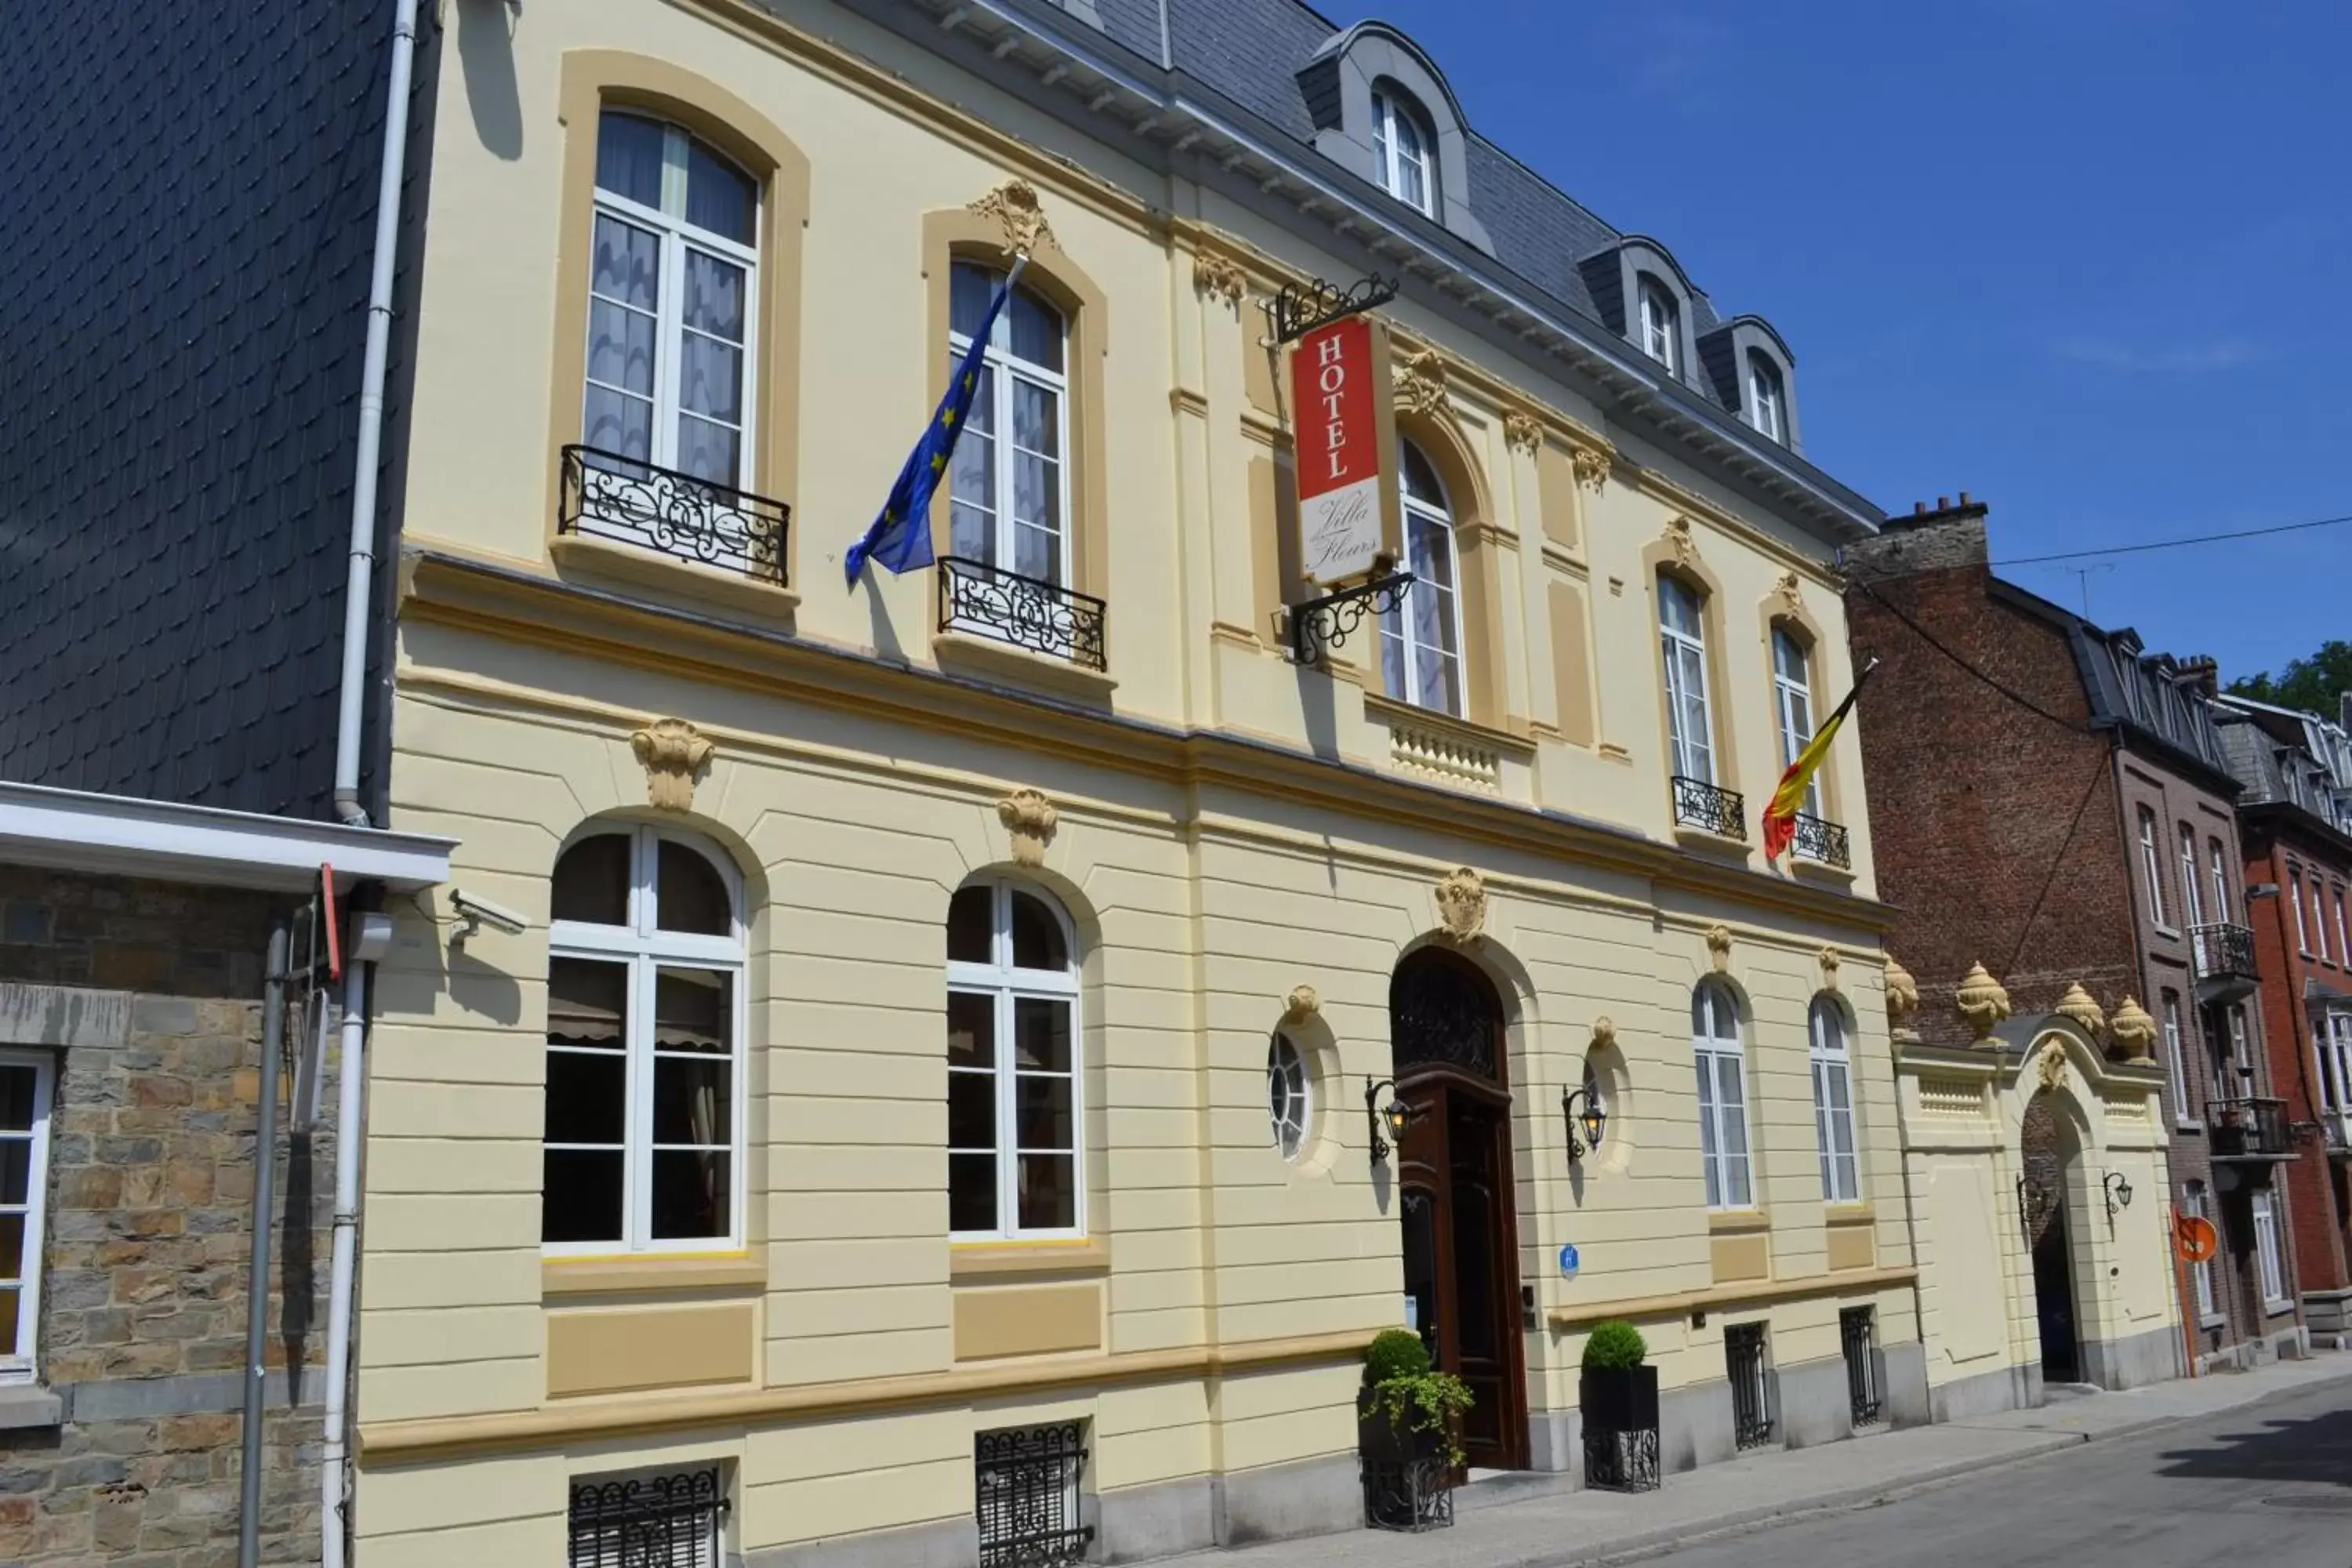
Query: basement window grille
x=1751 y=1391
x=648 y=1521
x=1858 y=1329
x=1026 y=1496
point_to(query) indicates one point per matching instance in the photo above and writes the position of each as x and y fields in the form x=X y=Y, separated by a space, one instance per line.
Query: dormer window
x=1766 y=397
x=1661 y=324
x=1399 y=151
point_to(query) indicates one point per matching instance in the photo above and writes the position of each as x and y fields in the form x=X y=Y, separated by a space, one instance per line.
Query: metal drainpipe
x=334 y=1489
x=357 y=594
x=256 y=1285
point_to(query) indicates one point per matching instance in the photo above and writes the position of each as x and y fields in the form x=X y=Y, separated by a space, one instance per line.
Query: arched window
x=1290 y=1095
x=1682 y=636
x=672 y=294
x=645 y=1047
x=1766 y=397
x=1401 y=151
x=1010 y=484
x=1662 y=329
x=1420 y=643
x=1833 y=1105
x=1014 y=1112
x=1792 y=702
x=1722 y=1096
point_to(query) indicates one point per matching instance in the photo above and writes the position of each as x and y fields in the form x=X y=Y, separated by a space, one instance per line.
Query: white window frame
x=1766 y=391
x=1000 y=980
x=2333 y=1045
x=1397 y=625
x=645 y=951
x=2319 y=915
x=2178 y=1054
x=1793 y=703
x=2152 y=864
x=1392 y=126
x=1682 y=655
x=1721 y=1056
x=17 y=1361
x=2195 y=1202
x=2270 y=1265
x=2191 y=890
x=2294 y=897
x=675 y=237
x=2223 y=907
x=1289 y=1072
x=1005 y=369
x=1661 y=323
x=1833 y=1126
x=2343 y=942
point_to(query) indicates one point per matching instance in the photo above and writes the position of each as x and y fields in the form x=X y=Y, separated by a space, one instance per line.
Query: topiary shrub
x=1614 y=1346
x=1394 y=1354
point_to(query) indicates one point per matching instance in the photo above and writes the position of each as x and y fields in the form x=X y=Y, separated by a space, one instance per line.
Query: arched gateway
x=1455 y=1188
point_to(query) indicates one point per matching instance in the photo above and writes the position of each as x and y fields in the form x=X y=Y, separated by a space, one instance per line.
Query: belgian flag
x=1780 y=817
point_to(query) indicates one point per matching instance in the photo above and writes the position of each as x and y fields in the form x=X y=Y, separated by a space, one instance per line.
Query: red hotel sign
x=1339 y=382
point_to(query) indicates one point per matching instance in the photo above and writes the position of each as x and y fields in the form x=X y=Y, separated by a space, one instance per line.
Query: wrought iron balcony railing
x=1824 y=841
x=1698 y=804
x=1024 y=612
x=609 y=496
x=2223 y=950
x=2253 y=1127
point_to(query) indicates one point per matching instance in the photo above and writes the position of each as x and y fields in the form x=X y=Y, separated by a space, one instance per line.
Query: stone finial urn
x=1982 y=1001
x=2082 y=1008
x=1902 y=1001
x=2133 y=1030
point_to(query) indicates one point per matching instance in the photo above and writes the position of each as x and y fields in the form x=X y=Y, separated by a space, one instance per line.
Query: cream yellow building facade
x=1219 y=852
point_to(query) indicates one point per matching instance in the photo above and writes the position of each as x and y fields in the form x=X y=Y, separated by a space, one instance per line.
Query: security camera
x=474 y=910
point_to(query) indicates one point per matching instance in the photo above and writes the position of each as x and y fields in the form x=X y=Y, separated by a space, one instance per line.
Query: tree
x=2315 y=685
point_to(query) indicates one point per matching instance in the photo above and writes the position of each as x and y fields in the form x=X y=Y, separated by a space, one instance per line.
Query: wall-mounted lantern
x=1388 y=1121
x=2119 y=1192
x=1586 y=1125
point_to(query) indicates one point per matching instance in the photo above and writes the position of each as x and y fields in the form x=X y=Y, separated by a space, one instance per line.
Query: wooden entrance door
x=1455 y=1193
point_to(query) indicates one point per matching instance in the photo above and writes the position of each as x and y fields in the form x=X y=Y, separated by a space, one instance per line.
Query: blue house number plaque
x=1568 y=1262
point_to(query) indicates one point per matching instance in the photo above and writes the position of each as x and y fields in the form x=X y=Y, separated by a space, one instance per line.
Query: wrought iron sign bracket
x=1321 y=625
x=1299 y=309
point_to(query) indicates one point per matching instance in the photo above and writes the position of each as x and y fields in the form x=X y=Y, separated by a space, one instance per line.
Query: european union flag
x=900 y=538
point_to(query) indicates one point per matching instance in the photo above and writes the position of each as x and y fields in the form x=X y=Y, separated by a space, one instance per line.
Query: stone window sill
x=984 y=658
x=988 y=1261
x=768 y=604
x=633 y=1276
x=1820 y=871
x=1733 y=1222
x=1707 y=841
x=28 y=1404
x=1848 y=1214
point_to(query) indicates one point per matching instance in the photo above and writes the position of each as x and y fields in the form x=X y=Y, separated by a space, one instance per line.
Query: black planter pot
x=1619 y=1411
x=1408 y=1484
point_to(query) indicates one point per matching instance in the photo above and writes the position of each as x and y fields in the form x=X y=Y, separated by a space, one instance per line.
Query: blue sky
x=2083 y=259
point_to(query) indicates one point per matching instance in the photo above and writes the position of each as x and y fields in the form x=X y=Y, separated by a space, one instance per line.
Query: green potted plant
x=1409 y=1434
x=1617 y=1399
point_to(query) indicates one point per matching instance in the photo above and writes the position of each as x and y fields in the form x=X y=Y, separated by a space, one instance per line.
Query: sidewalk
x=1553 y=1528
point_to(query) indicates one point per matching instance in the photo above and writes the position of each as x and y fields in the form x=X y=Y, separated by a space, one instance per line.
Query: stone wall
x=128 y=1447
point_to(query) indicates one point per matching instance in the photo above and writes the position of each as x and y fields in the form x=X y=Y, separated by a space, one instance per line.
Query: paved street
x=2198 y=1492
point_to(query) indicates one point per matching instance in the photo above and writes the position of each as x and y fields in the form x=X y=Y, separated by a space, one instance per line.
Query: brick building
x=2061 y=811
x=2295 y=817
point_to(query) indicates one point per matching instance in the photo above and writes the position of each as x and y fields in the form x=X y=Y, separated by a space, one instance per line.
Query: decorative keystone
x=1718 y=946
x=1420 y=384
x=672 y=752
x=2050 y=1067
x=1031 y=819
x=1791 y=592
x=1592 y=465
x=1015 y=206
x=1302 y=1004
x=1982 y=1001
x=1523 y=431
x=1902 y=1001
x=1828 y=959
x=1604 y=1032
x=2134 y=1030
x=2084 y=1009
x=1680 y=540
x=1462 y=904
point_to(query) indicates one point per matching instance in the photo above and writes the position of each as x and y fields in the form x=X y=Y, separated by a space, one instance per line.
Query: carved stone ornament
x=1523 y=431
x=672 y=752
x=2084 y=1009
x=1902 y=1001
x=1030 y=819
x=1015 y=206
x=1719 y=945
x=1791 y=592
x=2051 y=1067
x=1219 y=277
x=1592 y=465
x=1679 y=540
x=1604 y=1032
x=1420 y=384
x=1462 y=904
x=1982 y=1001
x=2133 y=1029
x=1302 y=1004
x=1828 y=959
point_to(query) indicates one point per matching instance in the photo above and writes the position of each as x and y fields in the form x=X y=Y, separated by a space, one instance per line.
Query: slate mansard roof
x=1260 y=67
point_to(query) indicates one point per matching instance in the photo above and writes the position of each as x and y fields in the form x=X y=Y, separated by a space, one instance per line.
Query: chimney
x=2199 y=673
x=1941 y=538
